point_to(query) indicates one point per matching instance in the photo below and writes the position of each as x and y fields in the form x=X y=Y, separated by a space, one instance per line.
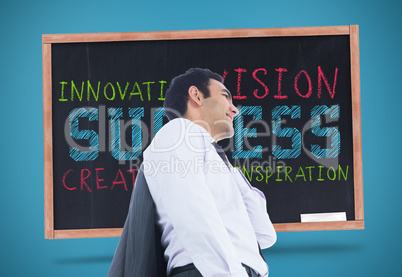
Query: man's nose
x=234 y=110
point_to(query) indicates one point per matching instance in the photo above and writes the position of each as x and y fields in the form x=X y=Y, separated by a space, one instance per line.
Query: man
x=213 y=221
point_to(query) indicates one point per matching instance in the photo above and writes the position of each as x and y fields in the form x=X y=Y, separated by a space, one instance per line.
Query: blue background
x=374 y=251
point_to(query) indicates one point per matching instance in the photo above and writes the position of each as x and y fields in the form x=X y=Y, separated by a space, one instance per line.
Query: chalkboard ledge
x=86 y=233
x=279 y=227
x=319 y=226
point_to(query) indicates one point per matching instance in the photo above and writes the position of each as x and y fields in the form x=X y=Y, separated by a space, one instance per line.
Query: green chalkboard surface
x=297 y=136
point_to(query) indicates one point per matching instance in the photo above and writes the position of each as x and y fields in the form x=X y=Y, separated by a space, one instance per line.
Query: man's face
x=219 y=111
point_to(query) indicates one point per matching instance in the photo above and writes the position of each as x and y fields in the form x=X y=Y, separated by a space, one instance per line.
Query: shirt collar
x=207 y=136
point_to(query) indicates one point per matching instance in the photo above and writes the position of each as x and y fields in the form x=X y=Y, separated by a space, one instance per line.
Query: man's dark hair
x=176 y=97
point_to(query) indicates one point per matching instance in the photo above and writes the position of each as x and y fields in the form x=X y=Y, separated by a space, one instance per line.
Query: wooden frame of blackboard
x=48 y=40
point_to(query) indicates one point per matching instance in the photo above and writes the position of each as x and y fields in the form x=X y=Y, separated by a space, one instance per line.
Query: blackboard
x=297 y=137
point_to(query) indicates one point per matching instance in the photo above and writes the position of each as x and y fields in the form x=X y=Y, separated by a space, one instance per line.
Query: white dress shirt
x=209 y=215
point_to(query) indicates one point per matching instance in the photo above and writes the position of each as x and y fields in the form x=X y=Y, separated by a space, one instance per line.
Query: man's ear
x=195 y=95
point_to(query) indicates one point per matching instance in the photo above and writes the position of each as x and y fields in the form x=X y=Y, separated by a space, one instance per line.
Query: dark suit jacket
x=139 y=252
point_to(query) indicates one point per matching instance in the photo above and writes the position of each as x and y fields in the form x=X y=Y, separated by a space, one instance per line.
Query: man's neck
x=204 y=125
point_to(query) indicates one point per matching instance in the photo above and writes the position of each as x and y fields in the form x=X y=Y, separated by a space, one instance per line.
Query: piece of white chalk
x=323 y=217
